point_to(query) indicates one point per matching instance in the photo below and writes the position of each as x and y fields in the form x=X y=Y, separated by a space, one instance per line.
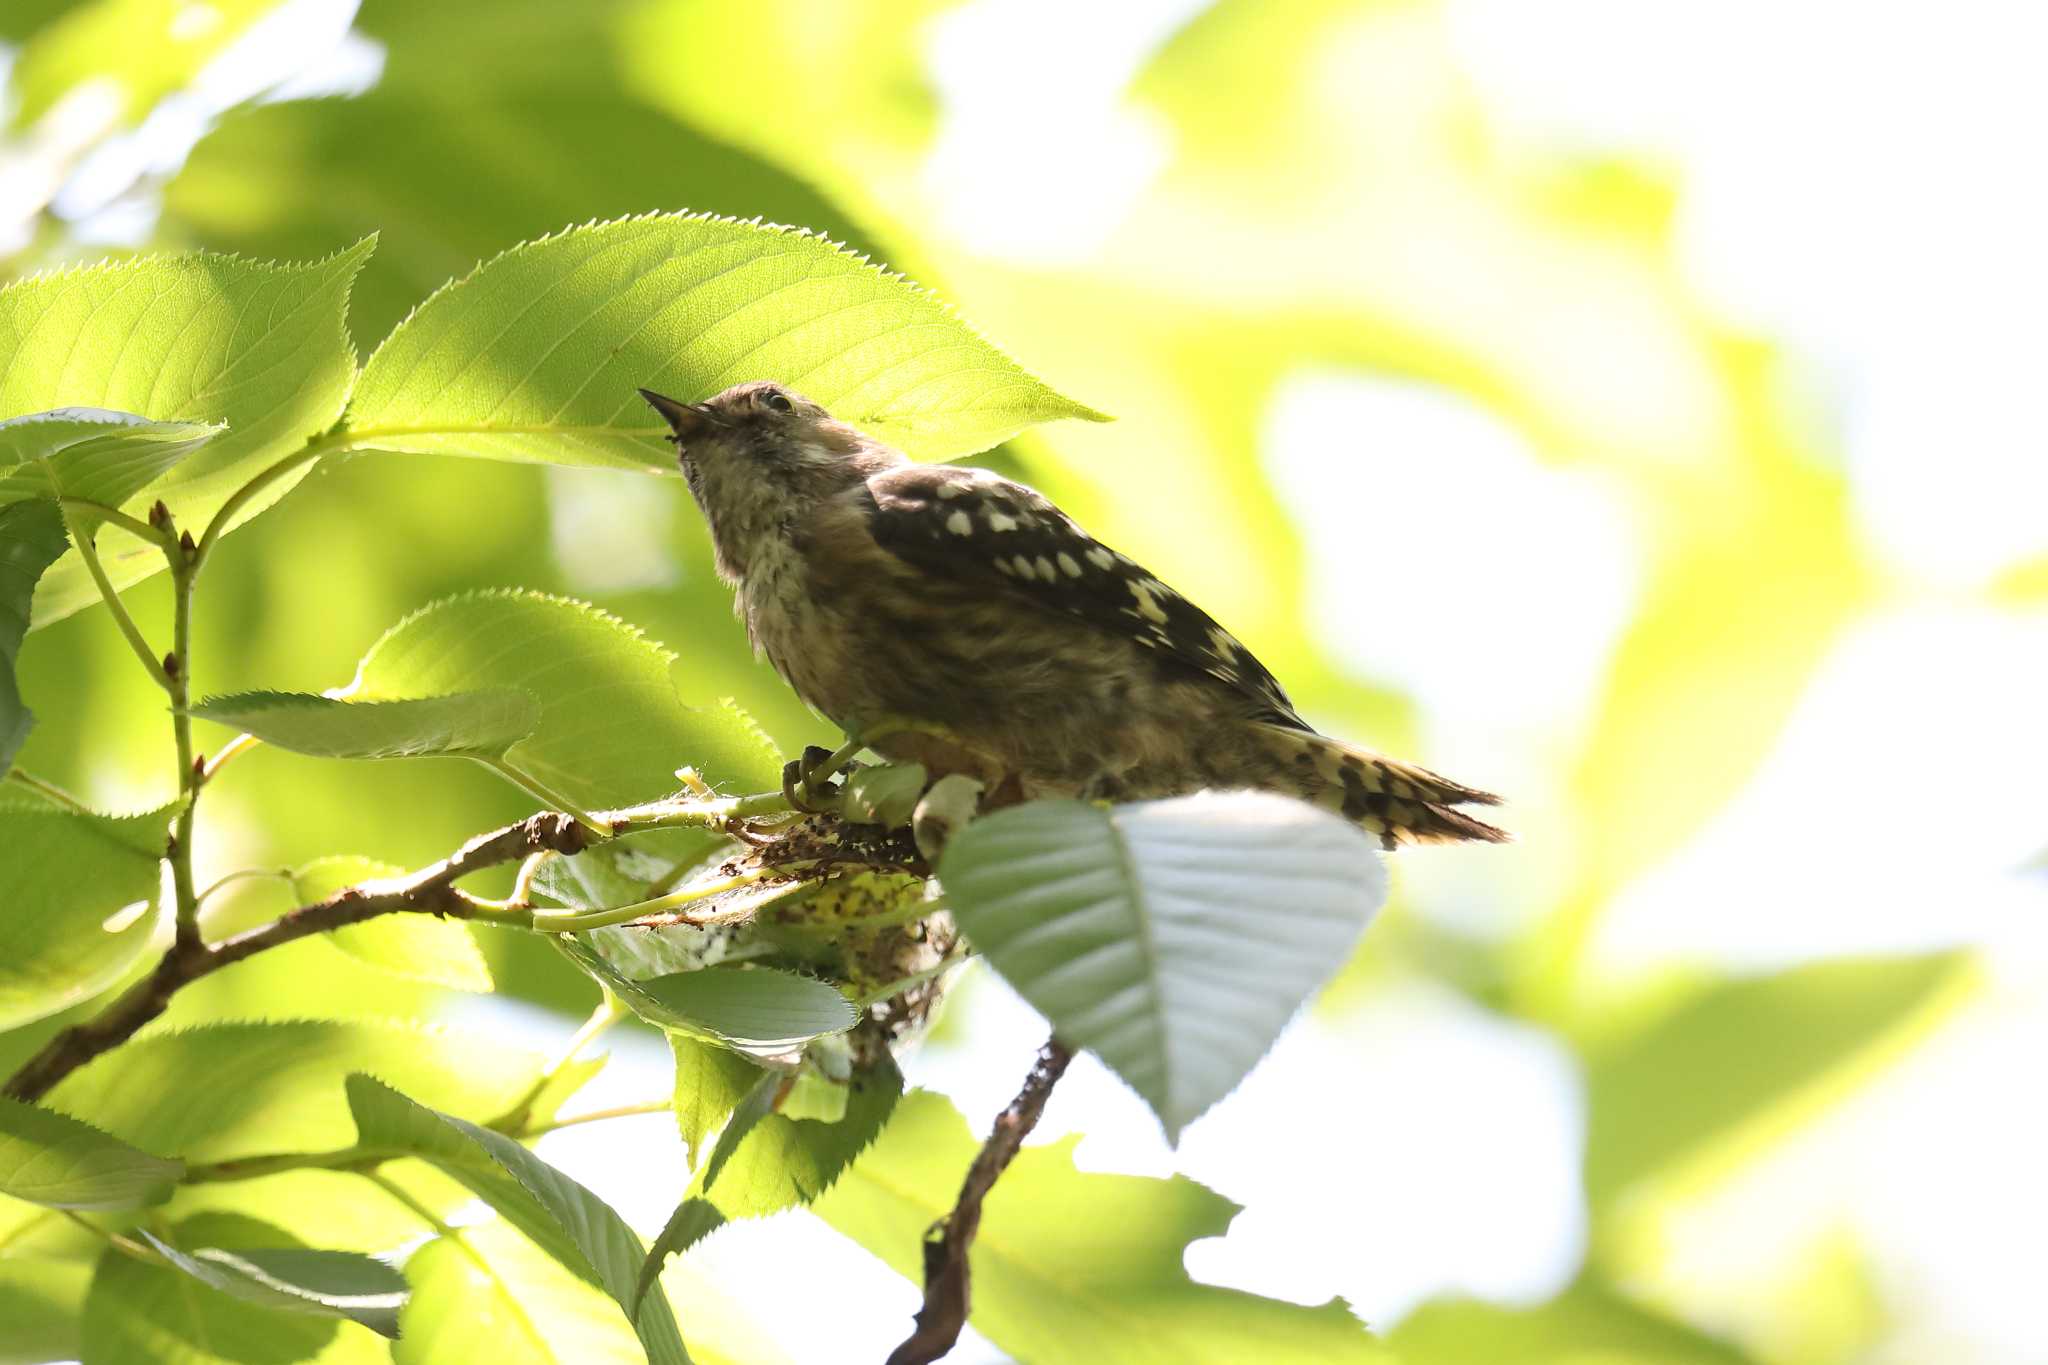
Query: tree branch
x=430 y=889
x=946 y=1287
x=798 y=851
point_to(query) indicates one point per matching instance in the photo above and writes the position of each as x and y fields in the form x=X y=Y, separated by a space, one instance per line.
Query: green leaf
x=754 y=1006
x=581 y=1230
x=324 y=1284
x=139 y=1311
x=69 y=878
x=762 y=1011
x=473 y=724
x=440 y=952
x=31 y=540
x=553 y=145
x=1587 y=1322
x=710 y=1081
x=612 y=729
x=92 y=454
x=387 y=1120
x=538 y=354
x=165 y=1091
x=203 y=338
x=485 y=1293
x=1738 y=1059
x=1072 y=1265
x=1174 y=939
x=693 y=1221
x=767 y=1161
x=42 y=1301
x=54 y=1160
x=775 y=1162
x=884 y=794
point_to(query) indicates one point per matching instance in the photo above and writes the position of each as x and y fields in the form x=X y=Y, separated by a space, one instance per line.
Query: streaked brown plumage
x=967 y=602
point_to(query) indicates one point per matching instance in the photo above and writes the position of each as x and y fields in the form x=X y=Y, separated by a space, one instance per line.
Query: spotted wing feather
x=969 y=525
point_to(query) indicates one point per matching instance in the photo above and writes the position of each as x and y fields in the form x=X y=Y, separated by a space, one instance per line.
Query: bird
x=1000 y=638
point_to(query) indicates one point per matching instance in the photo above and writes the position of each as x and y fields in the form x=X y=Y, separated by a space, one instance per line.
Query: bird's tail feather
x=1400 y=802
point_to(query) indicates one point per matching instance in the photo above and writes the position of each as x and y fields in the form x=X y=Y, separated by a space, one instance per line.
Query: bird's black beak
x=684 y=419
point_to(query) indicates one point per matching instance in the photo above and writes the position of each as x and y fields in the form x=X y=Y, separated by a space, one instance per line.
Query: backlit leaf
x=1174 y=939
x=200 y=338
x=81 y=893
x=54 y=1160
x=539 y=354
x=1071 y=1265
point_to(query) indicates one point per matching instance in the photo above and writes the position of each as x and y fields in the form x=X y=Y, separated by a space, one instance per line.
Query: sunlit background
x=1633 y=408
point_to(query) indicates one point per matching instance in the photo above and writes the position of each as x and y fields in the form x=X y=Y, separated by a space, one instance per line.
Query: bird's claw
x=805 y=786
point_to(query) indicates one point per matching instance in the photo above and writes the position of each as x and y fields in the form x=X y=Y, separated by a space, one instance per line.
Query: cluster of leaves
x=186 y=392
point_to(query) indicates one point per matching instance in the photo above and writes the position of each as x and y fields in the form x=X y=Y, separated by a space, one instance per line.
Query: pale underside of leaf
x=79 y=892
x=328 y=1284
x=92 y=454
x=482 y=723
x=60 y=1162
x=1173 y=938
x=564 y=1218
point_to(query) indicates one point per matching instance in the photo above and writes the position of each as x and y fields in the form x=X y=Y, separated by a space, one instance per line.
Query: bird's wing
x=972 y=526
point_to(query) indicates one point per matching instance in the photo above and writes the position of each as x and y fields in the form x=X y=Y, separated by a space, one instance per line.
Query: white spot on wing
x=1069 y=565
x=959 y=524
x=1147 y=607
x=998 y=522
x=1101 y=558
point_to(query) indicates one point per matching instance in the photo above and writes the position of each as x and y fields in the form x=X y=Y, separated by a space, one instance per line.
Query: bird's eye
x=776 y=400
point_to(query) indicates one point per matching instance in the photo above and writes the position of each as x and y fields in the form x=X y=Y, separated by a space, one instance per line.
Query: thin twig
x=946 y=1287
x=191 y=768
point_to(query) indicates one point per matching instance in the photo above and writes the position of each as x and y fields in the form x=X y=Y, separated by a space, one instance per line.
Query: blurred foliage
x=1332 y=197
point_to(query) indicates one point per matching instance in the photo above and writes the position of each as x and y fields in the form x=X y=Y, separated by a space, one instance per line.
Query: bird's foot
x=807 y=782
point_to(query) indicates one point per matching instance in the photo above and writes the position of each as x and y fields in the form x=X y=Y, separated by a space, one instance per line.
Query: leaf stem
x=82 y=538
x=126 y=1245
x=49 y=791
x=363 y=1160
x=283 y=874
x=608 y=1012
x=240 y=744
x=134 y=526
x=412 y=1205
x=543 y=793
x=617 y=1111
x=572 y=921
x=326 y=443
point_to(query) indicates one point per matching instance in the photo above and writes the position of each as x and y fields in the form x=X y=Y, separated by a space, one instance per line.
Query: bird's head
x=758 y=457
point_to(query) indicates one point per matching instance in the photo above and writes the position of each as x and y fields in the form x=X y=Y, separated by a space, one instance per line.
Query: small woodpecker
x=1033 y=654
